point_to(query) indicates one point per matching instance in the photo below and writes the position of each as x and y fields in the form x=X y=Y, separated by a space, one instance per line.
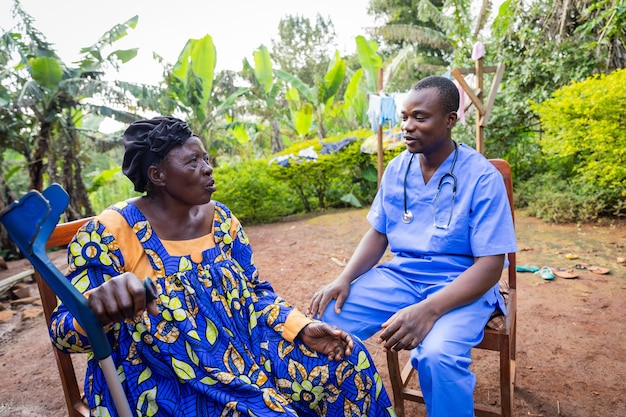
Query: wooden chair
x=499 y=336
x=76 y=406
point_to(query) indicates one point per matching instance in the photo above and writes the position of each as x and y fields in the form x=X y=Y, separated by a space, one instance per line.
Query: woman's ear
x=156 y=175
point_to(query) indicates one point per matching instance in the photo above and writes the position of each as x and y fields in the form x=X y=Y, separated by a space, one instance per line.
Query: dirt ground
x=571 y=343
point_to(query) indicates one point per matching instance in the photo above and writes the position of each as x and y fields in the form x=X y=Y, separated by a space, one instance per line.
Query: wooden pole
x=381 y=159
x=480 y=129
x=476 y=95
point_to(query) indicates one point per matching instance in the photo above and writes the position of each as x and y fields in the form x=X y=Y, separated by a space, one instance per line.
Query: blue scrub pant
x=443 y=358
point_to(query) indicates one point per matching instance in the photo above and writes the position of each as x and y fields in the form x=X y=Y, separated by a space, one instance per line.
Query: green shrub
x=108 y=187
x=339 y=179
x=553 y=199
x=252 y=195
x=584 y=143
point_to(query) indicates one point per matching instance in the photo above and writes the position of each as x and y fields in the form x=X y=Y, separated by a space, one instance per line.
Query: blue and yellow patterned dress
x=223 y=343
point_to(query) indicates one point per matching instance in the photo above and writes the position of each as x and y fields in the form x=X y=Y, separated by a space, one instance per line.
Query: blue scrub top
x=481 y=222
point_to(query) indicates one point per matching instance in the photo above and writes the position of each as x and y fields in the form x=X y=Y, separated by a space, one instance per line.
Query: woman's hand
x=122 y=297
x=327 y=340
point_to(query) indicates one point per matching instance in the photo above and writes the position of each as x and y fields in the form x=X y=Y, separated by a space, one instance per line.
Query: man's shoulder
x=476 y=160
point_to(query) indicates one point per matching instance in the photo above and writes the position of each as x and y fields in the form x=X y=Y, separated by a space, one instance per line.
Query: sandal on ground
x=545 y=273
x=591 y=268
x=526 y=268
x=564 y=273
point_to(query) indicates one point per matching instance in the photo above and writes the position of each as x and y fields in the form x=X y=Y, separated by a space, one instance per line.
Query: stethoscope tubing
x=407 y=216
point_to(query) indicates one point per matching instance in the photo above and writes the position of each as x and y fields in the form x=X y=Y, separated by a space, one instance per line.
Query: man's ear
x=156 y=175
x=452 y=119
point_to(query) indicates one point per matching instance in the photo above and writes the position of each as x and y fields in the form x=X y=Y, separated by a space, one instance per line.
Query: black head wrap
x=146 y=142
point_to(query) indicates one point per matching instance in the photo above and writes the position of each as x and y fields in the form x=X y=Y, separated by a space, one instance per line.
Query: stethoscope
x=407 y=215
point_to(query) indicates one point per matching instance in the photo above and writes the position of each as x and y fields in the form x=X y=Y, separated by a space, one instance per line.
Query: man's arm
x=366 y=255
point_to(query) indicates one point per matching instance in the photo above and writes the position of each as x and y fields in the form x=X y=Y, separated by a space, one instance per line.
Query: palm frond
x=420 y=35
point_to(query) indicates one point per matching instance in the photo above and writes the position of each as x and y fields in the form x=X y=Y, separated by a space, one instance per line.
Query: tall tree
x=540 y=57
x=414 y=24
x=606 y=19
x=303 y=48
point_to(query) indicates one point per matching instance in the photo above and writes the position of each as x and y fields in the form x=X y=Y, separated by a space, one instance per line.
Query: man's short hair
x=447 y=91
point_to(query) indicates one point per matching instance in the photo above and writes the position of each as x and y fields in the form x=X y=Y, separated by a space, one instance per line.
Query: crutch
x=29 y=223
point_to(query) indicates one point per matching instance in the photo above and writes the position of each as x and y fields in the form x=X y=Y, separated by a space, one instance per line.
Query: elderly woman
x=217 y=341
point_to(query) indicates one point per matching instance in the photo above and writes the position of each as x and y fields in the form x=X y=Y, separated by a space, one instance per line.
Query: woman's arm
x=93 y=259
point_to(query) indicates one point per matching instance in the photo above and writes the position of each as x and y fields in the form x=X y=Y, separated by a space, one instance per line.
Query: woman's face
x=425 y=125
x=186 y=174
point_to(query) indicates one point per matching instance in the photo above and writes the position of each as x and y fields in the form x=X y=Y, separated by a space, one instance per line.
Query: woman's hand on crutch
x=123 y=297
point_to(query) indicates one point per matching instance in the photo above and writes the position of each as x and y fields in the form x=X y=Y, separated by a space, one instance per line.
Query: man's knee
x=439 y=353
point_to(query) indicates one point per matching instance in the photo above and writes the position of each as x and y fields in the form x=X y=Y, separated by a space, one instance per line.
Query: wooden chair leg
x=505 y=380
x=397 y=385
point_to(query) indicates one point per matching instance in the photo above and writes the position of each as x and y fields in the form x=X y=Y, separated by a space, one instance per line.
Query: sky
x=237 y=27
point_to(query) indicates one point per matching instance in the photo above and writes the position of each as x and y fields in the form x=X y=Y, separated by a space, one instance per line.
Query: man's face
x=425 y=124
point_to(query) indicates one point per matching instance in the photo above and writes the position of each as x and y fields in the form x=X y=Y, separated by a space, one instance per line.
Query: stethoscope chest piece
x=407 y=216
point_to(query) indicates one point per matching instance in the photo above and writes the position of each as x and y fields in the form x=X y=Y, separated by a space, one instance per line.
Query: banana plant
x=355 y=100
x=321 y=95
x=191 y=80
x=367 y=51
x=265 y=89
x=49 y=99
x=301 y=112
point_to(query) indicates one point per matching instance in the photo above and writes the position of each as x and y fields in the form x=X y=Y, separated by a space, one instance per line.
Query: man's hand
x=327 y=340
x=407 y=328
x=336 y=290
x=122 y=297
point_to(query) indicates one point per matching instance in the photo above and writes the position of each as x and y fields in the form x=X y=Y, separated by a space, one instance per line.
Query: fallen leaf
x=31 y=313
x=6 y=315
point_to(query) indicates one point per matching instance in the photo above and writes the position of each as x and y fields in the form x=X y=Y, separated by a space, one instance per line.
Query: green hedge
x=584 y=149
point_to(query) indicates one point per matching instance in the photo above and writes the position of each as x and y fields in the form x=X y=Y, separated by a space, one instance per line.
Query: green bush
x=556 y=200
x=344 y=178
x=252 y=195
x=584 y=144
x=108 y=187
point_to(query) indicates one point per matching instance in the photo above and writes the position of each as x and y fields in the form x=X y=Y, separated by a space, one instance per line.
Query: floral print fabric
x=216 y=348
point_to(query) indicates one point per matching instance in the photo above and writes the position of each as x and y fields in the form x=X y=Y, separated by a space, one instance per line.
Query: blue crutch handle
x=29 y=223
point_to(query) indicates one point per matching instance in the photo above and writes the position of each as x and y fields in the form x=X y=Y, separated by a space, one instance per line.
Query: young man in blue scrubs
x=442 y=209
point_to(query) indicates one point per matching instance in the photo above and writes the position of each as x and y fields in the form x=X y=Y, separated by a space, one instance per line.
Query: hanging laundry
x=388 y=111
x=398 y=98
x=382 y=109
x=374 y=111
x=478 y=51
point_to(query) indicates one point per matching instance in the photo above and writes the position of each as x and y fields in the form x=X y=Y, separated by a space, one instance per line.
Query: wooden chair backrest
x=60 y=237
x=505 y=169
